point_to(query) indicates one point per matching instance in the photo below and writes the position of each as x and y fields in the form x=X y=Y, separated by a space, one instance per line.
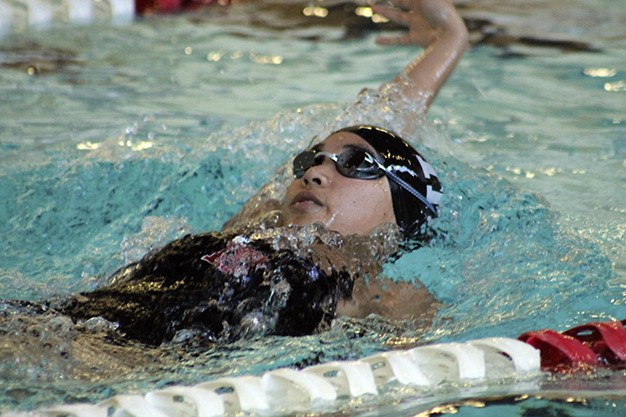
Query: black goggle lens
x=353 y=163
x=302 y=162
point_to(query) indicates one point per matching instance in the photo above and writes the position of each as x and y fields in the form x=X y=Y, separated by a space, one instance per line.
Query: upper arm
x=390 y=299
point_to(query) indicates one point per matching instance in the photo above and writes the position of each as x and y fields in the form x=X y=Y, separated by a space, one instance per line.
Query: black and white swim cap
x=402 y=161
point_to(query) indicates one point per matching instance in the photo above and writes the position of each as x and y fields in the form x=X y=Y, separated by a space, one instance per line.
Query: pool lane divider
x=19 y=15
x=317 y=387
x=591 y=344
x=286 y=390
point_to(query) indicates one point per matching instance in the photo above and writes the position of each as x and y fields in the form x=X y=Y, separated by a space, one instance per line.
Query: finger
x=411 y=19
x=393 y=14
x=403 y=4
x=422 y=39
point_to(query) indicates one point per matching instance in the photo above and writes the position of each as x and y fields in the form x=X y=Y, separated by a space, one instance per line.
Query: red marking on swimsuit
x=237 y=259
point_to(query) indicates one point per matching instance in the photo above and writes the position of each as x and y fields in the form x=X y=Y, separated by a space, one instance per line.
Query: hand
x=425 y=19
x=437 y=27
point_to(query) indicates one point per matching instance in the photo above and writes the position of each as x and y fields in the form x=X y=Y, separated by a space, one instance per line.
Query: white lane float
x=21 y=15
x=319 y=387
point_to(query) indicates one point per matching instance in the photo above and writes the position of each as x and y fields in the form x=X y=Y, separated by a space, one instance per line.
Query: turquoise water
x=116 y=139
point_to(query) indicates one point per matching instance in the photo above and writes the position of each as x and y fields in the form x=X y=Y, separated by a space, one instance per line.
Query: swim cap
x=404 y=162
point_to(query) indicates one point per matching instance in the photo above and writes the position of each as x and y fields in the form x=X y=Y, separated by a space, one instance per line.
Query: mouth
x=306 y=199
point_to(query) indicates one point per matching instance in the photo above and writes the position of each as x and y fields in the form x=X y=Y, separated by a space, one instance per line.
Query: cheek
x=381 y=204
x=370 y=201
x=289 y=192
x=379 y=192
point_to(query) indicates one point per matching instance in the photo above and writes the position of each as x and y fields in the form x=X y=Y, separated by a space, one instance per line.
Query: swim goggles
x=354 y=163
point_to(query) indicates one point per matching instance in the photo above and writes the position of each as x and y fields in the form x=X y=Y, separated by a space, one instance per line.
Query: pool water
x=115 y=139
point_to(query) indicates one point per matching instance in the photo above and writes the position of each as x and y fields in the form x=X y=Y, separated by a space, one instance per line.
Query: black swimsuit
x=218 y=287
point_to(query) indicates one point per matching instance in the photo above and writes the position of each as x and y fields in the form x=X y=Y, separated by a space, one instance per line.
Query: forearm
x=435 y=26
x=428 y=72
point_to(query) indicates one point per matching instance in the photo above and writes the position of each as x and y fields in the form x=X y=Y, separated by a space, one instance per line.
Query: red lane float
x=594 y=344
x=173 y=6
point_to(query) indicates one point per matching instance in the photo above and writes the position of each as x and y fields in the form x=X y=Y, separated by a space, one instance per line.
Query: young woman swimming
x=356 y=197
x=283 y=280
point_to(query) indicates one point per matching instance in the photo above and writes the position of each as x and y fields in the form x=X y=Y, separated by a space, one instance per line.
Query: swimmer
x=356 y=198
x=287 y=280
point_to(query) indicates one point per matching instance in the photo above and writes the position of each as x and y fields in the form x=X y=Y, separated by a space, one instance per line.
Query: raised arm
x=434 y=25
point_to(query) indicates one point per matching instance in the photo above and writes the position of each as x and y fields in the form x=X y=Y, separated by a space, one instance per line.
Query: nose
x=319 y=175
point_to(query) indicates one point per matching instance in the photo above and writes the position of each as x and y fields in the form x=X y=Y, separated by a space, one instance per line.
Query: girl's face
x=342 y=204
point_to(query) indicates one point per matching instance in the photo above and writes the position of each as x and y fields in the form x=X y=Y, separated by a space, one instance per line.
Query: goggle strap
x=410 y=189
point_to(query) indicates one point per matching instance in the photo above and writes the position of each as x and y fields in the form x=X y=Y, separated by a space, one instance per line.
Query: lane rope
x=318 y=387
